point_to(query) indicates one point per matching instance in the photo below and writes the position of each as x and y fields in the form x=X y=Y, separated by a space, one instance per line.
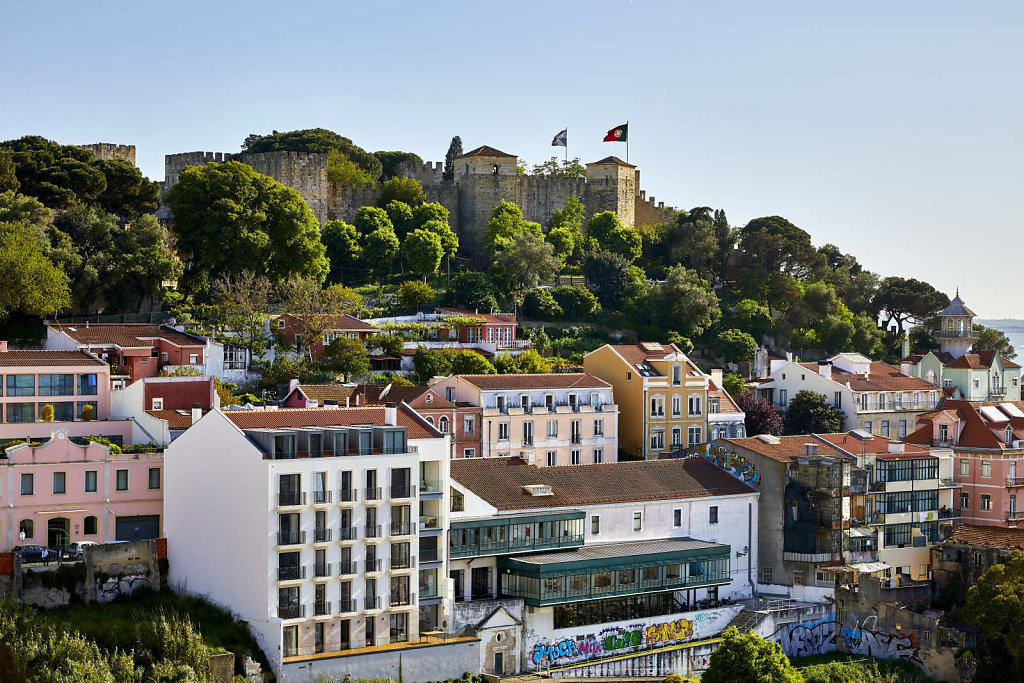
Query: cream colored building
x=662 y=396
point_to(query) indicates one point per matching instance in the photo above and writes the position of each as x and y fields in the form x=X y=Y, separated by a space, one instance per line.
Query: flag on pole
x=562 y=139
x=618 y=134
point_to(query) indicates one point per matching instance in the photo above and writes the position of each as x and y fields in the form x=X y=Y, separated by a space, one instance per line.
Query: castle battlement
x=109 y=150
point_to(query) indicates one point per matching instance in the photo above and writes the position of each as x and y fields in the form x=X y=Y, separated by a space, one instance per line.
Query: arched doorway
x=58 y=532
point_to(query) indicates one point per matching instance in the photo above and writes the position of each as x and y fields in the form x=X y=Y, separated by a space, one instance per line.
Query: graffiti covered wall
x=802 y=639
x=730 y=461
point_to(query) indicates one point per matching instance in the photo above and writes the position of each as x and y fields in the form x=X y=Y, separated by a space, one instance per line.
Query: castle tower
x=485 y=160
x=108 y=150
x=611 y=186
x=484 y=177
x=956 y=328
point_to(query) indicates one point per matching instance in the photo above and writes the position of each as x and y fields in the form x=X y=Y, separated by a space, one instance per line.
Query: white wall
x=799 y=378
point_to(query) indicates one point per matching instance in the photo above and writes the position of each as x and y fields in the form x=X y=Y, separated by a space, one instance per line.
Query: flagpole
x=567 y=144
x=627 y=141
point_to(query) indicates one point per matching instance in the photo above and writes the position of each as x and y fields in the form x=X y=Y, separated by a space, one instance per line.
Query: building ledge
x=427 y=640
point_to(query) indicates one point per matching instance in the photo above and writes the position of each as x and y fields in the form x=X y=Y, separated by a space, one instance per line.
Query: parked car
x=30 y=553
x=76 y=551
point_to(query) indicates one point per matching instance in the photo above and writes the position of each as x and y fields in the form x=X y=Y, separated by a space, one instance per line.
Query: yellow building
x=662 y=396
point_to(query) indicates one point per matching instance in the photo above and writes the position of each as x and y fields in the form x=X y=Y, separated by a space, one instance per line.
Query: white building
x=323 y=530
x=725 y=419
x=590 y=555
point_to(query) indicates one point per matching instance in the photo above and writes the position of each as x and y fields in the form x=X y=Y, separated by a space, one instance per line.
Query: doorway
x=499 y=668
x=58 y=532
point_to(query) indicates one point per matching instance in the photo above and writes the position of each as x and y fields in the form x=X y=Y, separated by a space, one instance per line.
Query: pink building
x=61 y=492
x=67 y=380
x=987 y=440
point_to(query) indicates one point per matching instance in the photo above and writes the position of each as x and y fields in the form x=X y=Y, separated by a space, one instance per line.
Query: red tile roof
x=840 y=444
x=499 y=482
x=396 y=394
x=988 y=536
x=558 y=380
x=980 y=359
x=333 y=392
x=485 y=151
x=26 y=358
x=881 y=377
x=875 y=445
x=177 y=420
x=726 y=403
x=329 y=417
x=126 y=335
x=341 y=321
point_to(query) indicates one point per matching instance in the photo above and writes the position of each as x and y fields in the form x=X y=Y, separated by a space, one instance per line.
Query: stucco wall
x=412 y=665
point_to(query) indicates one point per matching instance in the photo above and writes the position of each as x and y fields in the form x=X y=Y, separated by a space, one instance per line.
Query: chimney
x=716 y=377
x=825 y=369
x=3 y=346
x=330 y=403
x=810 y=449
x=197 y=412
x=391 y=414
x=905 y=347
x=896 y=446
x=292 y=384
x=906 y=368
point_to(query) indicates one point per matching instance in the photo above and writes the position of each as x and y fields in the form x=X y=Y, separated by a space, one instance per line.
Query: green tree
x=525 y=262
x=471 y=363
x=256 y=223
x=505 y=225
x=454 y=150
x=242 y=303
x=683 y=302
x=30 y=283
x=561 y=168
x=20 y=208
x=752 y=317
x=996 y=604
x=369 y=219
x=528 y=362
x=609 y=234
x=414 y=295
x=473 y=290
x=432 y=363
x=8 y=176
x=143 y=259
x=316 y=307
x=726 y=238
x=341 y=169
x=733 y=383
x=430 y=211
x=423 y=251
x=991 y=339
x=810 y=413
x=773 y=245
x=736 y=346
x=391 y=344
x=128 y=192
x=541 y=305
x=401 y=216
x=607 y=276
x=347 y=357
x=449 y=240
x=749 y=658
x=57 y=175
x=577 y=302
x=906 y=300
x=318 y=140
x=391 y=161
x=379 y=251
x=406 y=190
x=693 y=241
x=565 y=231
x=341 y=245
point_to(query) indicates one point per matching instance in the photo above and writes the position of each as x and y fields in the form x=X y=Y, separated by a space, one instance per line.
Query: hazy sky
x=892 y=129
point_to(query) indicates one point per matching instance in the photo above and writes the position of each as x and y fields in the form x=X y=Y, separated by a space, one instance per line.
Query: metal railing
x=291 y=573
x=373 y=531
x=401 y=529
x=321 y=497
x=402 y=600
x=290 y=498
x=955 y=334
x=403 y=561
x=291 y=537
x=322 y=570
x=322 y=609
x=373 y=493
x=1014 y=515
x=1015 y=481
x=321 y=535
x=431 y=486
x=346 y=568
x=291 y=611
x=374 y=566
x=373 y=603
x=346 y=605
x=347 y=496
x=430 y=555
x=402 y=491
x=347 y=533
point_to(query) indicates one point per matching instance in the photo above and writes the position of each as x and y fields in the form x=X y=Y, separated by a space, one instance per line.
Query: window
x=89 y=526
x=978 y=559
x=503 y=431
x=837 y=399
x=26 y=527
x=468 y=424
x=885 y=428
x=576 y=432
x=468 y=452
x=782 y=395
x=193 y=358
x=931 y=399
x=977 y=382
x=502 y=403
x=28 y=485
x=986 y=501
x=902 y=428
x=234 y=357
x=766 y=574
x=638 y=521
x=599 y=427
x=80 y=406
x=986 y=468
x=965 y=468
x=677 y=437
x=122 y=480
x=528 y=433
x=899 y=401
x=965 y=501
x=458 y=501
x=598 y=455
x=21 y=412
x=552 y=429
x=713 y=514
x=552 y=458
x=87 y=385
x=430 y=420
x=158 y=404
x=60 y=482
x=525 y=403
x=1009 y=434
x=290 y=642
x=658 y=407
x=677 y=406
x=867 y=426
x=657 y=439
x=694 y=405
x=90 y=481
x=63 y=411
x=154 y=478
x=595 y=525
x=677 y=375
x=693 y=436
x=575 y=456
x=443 y=424
x=629 y=376
x=897 y=534
x=677 y=517
x=399 y=627
x=56 y=385
x=21 y=385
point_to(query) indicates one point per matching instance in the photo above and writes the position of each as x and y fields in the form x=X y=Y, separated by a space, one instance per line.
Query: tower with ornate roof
x=956 y=333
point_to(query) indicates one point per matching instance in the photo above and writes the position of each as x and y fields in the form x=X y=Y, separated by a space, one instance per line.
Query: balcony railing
x=1014 y=515
x=402 y=561
x=373 y=603
x=943 y=443
x=291 y=573
x=947 y=483
x=403 y=491
x=321 y=497
x=373 y=493
x=291 y=537
x=373 y=531
x=1015 y=481
x=429 y=591
x=321 y=535
x=347 y=533
x=401 y=600
x=322 y=570
x=346 y=605
x=956 y=334
x=348 y=567
x=347 y=496
x=322 y=609
x=374 y=566
x=290 y=498
x=291 y=611
x=401 y=529
x=430 y=555
x=431 y=486
x=428 y=523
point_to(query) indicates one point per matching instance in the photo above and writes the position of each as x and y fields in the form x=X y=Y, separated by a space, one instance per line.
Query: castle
x=483 y=177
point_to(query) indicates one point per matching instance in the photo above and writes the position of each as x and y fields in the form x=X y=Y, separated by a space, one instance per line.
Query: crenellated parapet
x=174 y=164
x=108 y=151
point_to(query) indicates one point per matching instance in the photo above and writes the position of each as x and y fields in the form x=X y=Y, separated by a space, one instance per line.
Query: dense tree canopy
x=506 y=224
x=30 y=283
x=761 y=415
x=810 y=413
x=391 y=161
x=996 y=604
x=749 y=658
x=317 y=140
x=990 y=339
x=906 y=300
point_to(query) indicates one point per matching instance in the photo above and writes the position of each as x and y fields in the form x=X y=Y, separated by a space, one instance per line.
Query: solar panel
x=1011 y=410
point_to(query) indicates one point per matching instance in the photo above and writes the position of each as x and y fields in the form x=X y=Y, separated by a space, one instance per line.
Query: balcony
x=347 y=496
x=401 y=528
x=346 y=605
x=321 y=571
x=291 y=573
x=431 y=487
x=1015 y=481
x=370 y=604
x=430 y=555
x=290 y=499
x=943 y=443
x=402 y=601
x=947 y=483
x=428 y=592
x=403 y=561
x=291 y=611
x=401 y=492
x=348 y=567
x=321 y=535
x=814 y=558
x=373 y=531
x=1014 y=515
x=373 y=494
x=956 y=334
x=374 y=566
x=321 y=497
x=429 y=523
x=291 y=537
x=347 y=533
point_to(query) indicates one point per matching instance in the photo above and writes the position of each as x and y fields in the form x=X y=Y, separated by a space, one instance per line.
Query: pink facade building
x=987 y=440
x=66 y=380
x=62 y=492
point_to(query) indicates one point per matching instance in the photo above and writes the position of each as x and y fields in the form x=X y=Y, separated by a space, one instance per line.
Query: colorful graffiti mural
x=680 y=629
x=807 y=637
x=820 y=637
x=730 y=461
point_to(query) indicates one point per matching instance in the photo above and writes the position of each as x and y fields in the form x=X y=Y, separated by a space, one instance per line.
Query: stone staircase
x=747 y=620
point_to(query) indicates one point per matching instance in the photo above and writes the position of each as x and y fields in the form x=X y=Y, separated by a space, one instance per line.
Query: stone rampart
x=304 y=172
x=344 y=199
x=110 y=150
x=649 y=212
x=174 y=164
x=427 y=173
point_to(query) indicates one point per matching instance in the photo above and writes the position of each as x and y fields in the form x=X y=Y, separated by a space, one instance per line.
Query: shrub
x=46 y=413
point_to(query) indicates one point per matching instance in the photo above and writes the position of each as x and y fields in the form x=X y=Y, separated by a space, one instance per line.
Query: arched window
x=1009 y=434
x=442 y=424
x=430 y=420
x=27 y=527
x=89 y=527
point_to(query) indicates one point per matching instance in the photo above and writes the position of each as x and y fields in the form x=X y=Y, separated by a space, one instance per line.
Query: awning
x=862 y=532
x=870 y=567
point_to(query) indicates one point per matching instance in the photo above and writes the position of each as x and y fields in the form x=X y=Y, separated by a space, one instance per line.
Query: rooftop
x=491 y=318
x=485 y=151
x=880 y=377
x=979 y=359
x=341 y=321
x=613 y=551
x=988 y=536
x=957 y=307
x=567 y=380
x=500 y=482
x=611 y=161
x=726 y=403
x=418 y=428
x=26 y=358
x=641 y=354
x=975 y=424
x=841 y=444
x=126 y=335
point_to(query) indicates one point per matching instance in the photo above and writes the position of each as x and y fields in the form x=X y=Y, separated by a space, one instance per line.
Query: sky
x=892 y=130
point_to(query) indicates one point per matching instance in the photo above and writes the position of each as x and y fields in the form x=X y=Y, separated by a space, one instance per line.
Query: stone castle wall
x=304 y=172
x=108 y=150
x=174 y=164
x=649 y=212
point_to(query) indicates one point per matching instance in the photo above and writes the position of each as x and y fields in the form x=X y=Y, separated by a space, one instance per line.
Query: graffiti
x=807 y=638
x=733 y=463
x=699 y=663
x=563 y=649
x=820 y=637
x=114 y=588
x=623 y=639
x=680 y=629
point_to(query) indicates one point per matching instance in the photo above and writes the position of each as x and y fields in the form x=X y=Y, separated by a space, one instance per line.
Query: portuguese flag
x=617 y=134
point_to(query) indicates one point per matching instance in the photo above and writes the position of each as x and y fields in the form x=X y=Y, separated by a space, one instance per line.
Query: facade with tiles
x=662 y=396
x=345 y=511
x=61 y=492
x=548 y=420
x=580 y=553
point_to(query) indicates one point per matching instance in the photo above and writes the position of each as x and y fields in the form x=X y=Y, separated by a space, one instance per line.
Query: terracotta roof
x=126 y=335
x=877 y=445
x=26 y=358
x=726 y=403
x=788 y=447
x=644 y=352
x=177 y=420
x=558 y=380
x=485 y=151
x=499 y=481
x=611 y=161
x=334 y=392
x=501 y=319
x=329 y=417
x=371 y=393
x=881 y=377
x=988 y=536
x=980 y=359
x=342 y=321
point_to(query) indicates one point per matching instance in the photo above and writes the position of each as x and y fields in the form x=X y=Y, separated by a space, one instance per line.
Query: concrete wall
x=129 y=566
x=411 y=665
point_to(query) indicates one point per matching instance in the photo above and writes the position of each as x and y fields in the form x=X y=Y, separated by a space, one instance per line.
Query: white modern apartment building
x=323 y=529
